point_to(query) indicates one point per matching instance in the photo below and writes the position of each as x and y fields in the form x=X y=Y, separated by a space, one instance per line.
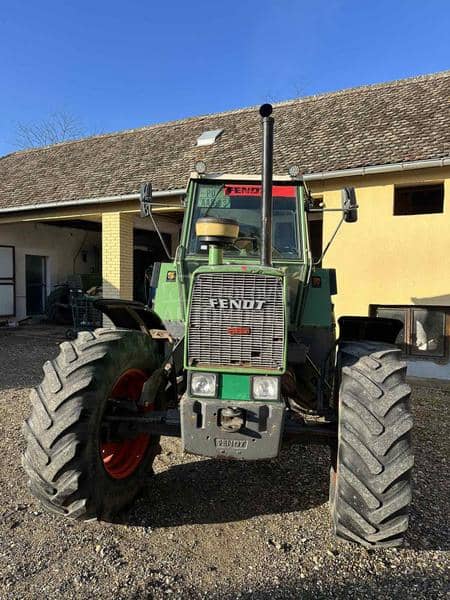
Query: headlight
x=204 y=384
x=265 y=388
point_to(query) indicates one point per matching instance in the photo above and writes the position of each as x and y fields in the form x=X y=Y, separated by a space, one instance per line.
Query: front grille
x=210 y=342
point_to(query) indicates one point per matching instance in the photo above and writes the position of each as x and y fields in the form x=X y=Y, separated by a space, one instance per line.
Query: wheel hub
x=121 y=458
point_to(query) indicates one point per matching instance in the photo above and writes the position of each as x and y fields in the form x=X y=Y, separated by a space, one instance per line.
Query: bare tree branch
x=60 y=126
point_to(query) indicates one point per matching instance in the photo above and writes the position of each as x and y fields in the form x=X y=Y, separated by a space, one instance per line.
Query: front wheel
x=77 y=464
x=370 y=487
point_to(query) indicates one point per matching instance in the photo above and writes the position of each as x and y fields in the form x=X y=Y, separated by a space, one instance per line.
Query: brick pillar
x=117 y=255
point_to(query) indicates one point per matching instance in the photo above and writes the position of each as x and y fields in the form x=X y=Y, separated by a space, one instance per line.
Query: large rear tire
x=370 y=489
x=74 y=466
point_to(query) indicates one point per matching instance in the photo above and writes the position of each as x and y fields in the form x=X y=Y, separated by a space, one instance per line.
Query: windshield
x=242 y=202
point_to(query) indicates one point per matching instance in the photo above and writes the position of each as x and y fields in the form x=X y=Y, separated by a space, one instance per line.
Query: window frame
x=415 y=188
x=407 y=348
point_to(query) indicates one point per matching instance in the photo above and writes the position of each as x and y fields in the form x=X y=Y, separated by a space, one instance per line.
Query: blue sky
x=122 y=64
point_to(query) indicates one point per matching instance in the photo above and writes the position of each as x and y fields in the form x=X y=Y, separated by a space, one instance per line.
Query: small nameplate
x=240 y=444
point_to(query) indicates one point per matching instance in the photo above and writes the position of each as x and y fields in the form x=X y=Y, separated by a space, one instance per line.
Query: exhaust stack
x=267 y=171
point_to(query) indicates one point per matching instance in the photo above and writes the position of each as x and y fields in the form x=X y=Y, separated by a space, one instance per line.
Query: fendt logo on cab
x=240 y=304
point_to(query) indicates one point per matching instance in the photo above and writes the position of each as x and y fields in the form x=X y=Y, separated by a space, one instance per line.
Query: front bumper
x=259 y=437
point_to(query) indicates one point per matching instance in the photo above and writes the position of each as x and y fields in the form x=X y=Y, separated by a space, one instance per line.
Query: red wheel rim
x=121 y=459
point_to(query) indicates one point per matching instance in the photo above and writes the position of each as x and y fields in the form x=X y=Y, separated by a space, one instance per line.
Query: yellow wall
x=117 y=255
x=386 y=259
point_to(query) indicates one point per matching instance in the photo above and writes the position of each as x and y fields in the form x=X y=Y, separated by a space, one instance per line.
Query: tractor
x=237 y=355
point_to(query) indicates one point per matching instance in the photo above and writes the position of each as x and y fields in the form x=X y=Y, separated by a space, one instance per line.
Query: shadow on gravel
x=210 y=491
x=429 y=526
x=419 y=584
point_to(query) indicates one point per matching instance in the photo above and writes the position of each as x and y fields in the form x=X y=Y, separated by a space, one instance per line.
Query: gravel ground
x=213 y=529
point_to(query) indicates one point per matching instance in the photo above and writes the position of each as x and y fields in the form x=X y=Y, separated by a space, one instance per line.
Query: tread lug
x=373 y=487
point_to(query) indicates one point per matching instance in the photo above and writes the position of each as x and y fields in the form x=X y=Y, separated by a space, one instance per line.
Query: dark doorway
x=36 y=284
x=7 y=281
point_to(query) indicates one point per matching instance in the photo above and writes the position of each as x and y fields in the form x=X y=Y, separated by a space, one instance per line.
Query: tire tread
x=373 y=482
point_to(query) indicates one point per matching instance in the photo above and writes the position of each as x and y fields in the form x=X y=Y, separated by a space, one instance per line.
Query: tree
x=60 y=126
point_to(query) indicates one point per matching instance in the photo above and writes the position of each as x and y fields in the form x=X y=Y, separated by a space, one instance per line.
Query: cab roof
x=244 y=177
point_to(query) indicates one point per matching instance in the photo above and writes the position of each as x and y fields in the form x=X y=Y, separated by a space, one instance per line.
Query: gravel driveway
x=213 y=529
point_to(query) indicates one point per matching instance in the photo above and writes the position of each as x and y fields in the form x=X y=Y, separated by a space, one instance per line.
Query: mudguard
x=127 y=314
x=376 y=329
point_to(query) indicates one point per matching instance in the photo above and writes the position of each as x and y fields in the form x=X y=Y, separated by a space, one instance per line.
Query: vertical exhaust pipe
x=267 y=171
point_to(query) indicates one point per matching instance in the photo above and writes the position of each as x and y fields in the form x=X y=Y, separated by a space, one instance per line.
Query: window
x=207 y=138
x=424 y=328
x=242 y=202
x=419 y=200
x=428 y=332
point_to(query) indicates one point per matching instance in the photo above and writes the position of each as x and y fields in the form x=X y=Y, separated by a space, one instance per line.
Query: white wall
x=426 y=369
x=59 y=244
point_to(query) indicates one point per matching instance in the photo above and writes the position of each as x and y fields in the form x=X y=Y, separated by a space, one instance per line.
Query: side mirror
x=349 y=205
x=145 y=198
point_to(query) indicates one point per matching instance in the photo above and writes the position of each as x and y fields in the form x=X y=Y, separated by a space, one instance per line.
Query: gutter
x=101 y=200
x=361 y=171
x=358 y=172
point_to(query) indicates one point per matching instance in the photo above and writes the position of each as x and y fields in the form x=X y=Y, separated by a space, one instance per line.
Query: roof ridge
x=298 y=100
x=368 y=87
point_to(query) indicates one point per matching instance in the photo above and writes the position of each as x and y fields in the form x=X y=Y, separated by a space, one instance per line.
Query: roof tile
x=400 y=121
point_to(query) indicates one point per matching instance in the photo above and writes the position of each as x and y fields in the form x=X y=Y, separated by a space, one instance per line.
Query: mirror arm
x=349 y=210
x=146 y=201
x=163 y=243
x=316 y=210
x=319 y=260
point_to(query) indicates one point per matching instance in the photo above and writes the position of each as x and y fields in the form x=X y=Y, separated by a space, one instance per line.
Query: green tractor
x=237 y=355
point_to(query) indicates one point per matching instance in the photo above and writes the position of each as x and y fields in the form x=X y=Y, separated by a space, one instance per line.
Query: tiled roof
x=404 y=120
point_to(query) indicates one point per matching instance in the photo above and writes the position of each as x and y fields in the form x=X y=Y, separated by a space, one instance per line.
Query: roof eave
x=354 y=172
x=375 y=169
x=87 y=201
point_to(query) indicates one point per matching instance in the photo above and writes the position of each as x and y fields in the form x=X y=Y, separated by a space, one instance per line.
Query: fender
x=375 y=329
x=127 y=314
